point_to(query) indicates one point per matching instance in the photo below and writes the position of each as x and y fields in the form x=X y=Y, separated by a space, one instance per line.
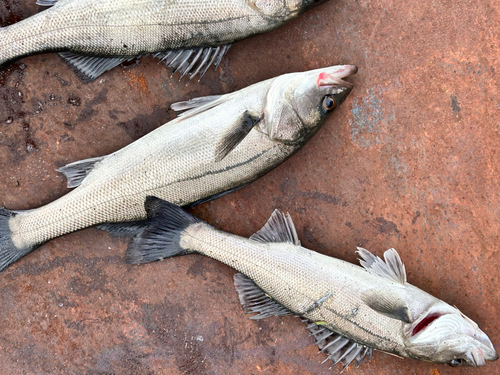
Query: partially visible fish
x=219 y=145
x=351 y=310
x=189 y=35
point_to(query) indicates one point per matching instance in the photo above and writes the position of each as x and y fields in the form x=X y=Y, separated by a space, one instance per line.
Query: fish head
x=297 y=104
x=444 y=335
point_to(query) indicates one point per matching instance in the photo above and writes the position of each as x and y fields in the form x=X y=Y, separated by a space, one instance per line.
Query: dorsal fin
x=337 y=347
x=392 y=269
x=279 y=228
x=255 y=300
x=77 y=171
x=199 y=105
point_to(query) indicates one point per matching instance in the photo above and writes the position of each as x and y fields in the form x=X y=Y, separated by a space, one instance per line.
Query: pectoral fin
x=236 y=134
x=387 y=303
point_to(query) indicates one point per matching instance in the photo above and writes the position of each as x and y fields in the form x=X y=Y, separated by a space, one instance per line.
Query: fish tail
x=161 y=237
x=9 y=252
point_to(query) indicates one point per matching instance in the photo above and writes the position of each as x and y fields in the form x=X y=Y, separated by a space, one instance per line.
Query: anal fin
x=337 y=347
x=76 y=172
x=124 y=229
x=46 y=3
x=89 y=68
x=193 y=61
x=255 y=300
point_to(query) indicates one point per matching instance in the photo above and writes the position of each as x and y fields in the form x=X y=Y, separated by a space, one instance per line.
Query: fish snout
x=334 y=76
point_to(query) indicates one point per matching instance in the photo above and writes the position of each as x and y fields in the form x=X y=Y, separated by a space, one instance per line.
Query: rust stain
x=137 y=80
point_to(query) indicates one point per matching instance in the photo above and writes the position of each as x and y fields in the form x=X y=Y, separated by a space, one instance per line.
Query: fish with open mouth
x=219 y=144
x=190 y=35
x=350 y=310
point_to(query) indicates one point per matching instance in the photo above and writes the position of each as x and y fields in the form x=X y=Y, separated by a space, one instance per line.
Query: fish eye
x=329 y=103
x=456 y=362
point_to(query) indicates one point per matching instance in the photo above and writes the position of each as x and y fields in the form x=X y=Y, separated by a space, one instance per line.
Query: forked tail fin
x=161 y=238
x=9 y=253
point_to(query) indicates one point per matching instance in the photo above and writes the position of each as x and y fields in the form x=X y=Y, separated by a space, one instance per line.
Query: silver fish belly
x=351 y=310
x=220 y=144
x=189 y=35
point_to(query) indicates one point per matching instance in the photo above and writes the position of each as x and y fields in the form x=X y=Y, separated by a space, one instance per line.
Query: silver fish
x=218 y=145
x=350 y=310
x=189 y=35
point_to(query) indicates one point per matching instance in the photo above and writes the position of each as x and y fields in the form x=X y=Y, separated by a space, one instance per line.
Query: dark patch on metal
x=386 y=227
x=415 y=218
x=88 y=110
x=142 y=124
x=455 y=105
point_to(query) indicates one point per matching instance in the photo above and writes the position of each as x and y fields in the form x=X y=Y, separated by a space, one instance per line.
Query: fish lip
x=334 y=76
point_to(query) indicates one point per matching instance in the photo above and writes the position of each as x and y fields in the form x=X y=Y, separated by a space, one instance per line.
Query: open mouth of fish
x=334 y=76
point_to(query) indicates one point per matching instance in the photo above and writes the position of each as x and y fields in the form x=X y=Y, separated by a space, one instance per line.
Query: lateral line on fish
x=228 y=168
x=208 y=244
x=125 y=27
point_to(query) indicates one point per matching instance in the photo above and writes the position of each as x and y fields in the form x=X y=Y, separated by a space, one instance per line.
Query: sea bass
x=350 y=310
x=219 y=144
x=189 y=35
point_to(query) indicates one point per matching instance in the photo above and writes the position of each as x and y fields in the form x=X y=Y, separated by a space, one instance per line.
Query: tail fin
x=9 y=253
x=160 y=239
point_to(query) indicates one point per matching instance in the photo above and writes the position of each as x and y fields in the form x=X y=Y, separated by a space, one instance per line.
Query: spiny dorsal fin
x=199 y=105
x=279 y=228
x=392 y=269
x=387 y=303
x=337 y=347
x=255 y=300
x=237 y=132
x=76 y=172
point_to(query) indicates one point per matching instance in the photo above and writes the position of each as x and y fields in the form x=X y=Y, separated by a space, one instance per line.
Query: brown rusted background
x=411 y=161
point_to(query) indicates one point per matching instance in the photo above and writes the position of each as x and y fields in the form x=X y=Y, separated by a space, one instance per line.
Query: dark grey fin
x=77 y=171
x=337 y=347
x=212 y=197
x=255 y=300
x=387 y=303
x=279 y=228
x=9 y=253
x=193 y=61
x=125 y=229
x=392 y=269
x=89 y=68
x=240 y=129
x=46 y=3
x=161 y=238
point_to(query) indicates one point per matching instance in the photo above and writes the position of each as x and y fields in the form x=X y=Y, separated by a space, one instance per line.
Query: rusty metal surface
x=410 y=161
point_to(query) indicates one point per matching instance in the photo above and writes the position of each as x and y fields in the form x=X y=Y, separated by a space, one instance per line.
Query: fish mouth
x=333 y=76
